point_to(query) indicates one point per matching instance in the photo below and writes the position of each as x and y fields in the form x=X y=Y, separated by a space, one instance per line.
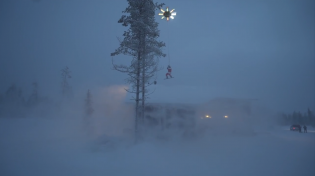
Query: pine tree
x=65 y=75
x=14 y=102
x=88 y=104
x=14 y=96
x=140 y=42
x=300 y=118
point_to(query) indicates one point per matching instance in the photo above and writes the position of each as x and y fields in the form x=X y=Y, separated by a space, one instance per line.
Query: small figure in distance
x=305 y=129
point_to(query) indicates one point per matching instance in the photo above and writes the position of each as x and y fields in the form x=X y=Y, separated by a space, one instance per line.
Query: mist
x=177 y=139
x=243 y=75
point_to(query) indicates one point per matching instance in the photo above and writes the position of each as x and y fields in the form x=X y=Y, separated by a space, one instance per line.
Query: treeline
x=304 y=118
x=13 y=103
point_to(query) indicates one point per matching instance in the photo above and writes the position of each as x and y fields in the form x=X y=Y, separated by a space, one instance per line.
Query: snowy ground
x=47 y=147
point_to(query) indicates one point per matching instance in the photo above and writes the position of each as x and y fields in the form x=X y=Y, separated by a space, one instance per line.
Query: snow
x=50 y=147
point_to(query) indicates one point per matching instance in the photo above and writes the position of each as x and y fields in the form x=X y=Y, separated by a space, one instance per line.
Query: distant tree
x=309 y=112
x=305 y=119
x=13 y=102
x=300 y=118
x=88 y=104
x=65 y=75
x=294 y=117
x=14 y=95
x=290 y=119
x=284 y=119
x=311 y=117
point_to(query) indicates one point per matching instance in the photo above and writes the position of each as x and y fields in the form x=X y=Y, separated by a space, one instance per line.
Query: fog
x=243 y=74
x=66 y=142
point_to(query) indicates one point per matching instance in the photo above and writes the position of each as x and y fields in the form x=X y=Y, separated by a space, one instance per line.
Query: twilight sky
x=262 y=49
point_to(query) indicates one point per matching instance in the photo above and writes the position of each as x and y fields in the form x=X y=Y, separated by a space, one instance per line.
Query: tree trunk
x=143 y=78
x=137 y=97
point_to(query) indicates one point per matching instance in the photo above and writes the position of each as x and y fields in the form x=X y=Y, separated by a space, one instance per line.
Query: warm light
x=162 y=11
x=172 y=11
x=226 y=116
x=207 y=116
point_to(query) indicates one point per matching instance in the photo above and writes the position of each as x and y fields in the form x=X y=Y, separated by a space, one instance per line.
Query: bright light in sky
x=226 y=116
x=168 y=14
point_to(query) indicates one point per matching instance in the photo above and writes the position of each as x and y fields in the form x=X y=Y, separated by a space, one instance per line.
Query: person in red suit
x=169 y=71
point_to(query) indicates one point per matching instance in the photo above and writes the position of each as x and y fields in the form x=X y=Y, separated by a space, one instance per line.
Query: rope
x=168 y=48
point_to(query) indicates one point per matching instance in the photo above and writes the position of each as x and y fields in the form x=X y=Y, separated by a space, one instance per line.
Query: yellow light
x=162 y=10
x=207 y=116
x=160 y=13
x=172 y=10
x=167 y=18
x=226 y=116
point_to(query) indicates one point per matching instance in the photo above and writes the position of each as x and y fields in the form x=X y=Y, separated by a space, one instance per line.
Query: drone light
x=167 y=14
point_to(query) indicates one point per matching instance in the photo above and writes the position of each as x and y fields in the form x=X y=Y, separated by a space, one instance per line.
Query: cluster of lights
x=208 y=116
x=167 y=14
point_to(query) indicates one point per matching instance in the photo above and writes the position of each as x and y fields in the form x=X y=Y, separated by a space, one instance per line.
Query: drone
x=167 y=14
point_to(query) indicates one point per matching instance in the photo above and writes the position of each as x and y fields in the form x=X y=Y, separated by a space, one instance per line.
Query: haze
x=249 y=65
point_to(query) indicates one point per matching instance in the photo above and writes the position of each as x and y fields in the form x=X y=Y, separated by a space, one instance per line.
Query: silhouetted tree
x=300 y=119
x=140 y=42
x=88 y=104
x=311 y=117
x=65 y=75
x=14 y=95
x=13 y=102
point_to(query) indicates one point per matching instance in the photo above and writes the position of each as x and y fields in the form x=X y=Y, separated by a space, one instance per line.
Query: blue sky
x=220 y=48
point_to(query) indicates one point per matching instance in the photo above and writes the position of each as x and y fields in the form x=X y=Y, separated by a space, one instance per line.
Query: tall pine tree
x=140 y=42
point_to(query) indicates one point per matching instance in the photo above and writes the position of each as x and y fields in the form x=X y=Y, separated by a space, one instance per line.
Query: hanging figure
x=169 y=71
